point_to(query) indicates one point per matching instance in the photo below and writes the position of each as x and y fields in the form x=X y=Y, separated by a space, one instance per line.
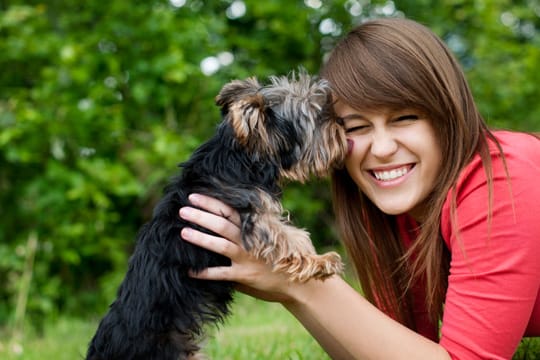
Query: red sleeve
x=495 y=268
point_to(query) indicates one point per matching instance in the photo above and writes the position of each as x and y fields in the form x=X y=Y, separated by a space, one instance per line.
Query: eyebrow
x=356 y=116
x=352 y=116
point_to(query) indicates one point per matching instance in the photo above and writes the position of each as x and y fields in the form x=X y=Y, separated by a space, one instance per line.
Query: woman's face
x=394 y=157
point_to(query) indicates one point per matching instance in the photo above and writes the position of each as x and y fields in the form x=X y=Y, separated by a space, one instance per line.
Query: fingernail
x=186 y=233
x=185 y=212
x=194 y=198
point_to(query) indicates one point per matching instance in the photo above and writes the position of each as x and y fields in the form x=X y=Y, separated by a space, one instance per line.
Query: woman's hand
x=253 y=276
x=345 y=324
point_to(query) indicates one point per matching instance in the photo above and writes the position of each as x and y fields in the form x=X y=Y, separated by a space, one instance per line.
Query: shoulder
x=516 y=149
x=518 y=139
x=512 y=167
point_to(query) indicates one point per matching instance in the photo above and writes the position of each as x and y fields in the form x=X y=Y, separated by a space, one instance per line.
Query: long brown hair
x=397 y=63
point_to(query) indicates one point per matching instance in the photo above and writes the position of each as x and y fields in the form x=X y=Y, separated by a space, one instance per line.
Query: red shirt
x=493 y=298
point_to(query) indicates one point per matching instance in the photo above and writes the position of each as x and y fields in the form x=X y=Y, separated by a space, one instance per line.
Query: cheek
x=350 y=146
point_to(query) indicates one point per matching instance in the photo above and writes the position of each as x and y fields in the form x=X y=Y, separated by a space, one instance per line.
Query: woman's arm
x=345 y=324
x=349 y=327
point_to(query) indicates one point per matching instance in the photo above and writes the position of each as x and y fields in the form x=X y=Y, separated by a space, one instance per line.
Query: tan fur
x=246 y=115
x=306 y=106
x=316 y=161
x=289 y=249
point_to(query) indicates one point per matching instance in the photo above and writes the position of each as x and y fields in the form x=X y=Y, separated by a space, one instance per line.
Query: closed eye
x=355 y=128
x=407 y=117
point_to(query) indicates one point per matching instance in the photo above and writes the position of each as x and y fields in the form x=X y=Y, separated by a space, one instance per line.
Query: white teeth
x=390 y=175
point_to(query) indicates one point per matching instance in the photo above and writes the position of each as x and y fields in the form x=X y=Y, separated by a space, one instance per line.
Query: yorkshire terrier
x=284 y=130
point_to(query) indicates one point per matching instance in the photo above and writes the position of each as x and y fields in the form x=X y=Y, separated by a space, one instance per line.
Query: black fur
x=160 y=312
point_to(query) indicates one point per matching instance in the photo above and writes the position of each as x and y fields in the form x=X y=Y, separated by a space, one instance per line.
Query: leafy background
x=100 y=100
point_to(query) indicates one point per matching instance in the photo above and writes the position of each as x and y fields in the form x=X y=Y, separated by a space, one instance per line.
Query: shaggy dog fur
x=284 y=130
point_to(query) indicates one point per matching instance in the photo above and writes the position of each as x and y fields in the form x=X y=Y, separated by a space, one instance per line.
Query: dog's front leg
x=286 y=247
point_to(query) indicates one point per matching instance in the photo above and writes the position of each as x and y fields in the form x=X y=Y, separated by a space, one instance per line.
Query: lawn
x=256 y=330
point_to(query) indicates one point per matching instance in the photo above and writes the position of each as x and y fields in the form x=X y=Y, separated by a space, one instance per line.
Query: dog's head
x=290 y=121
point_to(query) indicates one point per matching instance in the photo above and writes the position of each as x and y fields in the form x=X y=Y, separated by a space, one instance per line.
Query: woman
x=439 y=215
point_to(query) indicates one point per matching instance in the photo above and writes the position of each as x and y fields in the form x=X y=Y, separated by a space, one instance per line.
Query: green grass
x=259 y=330
x=256 y=330
x=63 y=340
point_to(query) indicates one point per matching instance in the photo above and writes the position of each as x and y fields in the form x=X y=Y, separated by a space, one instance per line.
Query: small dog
x=285 y=130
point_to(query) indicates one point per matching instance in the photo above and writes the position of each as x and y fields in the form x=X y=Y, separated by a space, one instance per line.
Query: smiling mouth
x=389 y=175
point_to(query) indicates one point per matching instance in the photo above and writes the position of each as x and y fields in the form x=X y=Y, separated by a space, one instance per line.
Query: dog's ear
x=243 y=106
x=235 y=91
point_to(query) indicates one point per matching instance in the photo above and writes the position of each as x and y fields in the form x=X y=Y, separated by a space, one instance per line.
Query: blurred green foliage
x=99 y=102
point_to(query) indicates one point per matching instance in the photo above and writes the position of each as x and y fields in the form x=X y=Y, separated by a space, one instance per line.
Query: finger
x=213 y=243
x=212 y=222
x=214 y=273
x=216 y=207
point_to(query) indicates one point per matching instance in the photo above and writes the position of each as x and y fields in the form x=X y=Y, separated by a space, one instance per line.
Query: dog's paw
x=305 y=267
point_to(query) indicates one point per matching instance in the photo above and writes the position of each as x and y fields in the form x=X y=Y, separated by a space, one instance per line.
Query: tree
x=99 y=101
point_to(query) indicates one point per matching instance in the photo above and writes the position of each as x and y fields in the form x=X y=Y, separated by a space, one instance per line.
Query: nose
x=383 y=143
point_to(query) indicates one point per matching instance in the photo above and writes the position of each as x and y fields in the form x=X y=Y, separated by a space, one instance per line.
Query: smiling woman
x=426 y=172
